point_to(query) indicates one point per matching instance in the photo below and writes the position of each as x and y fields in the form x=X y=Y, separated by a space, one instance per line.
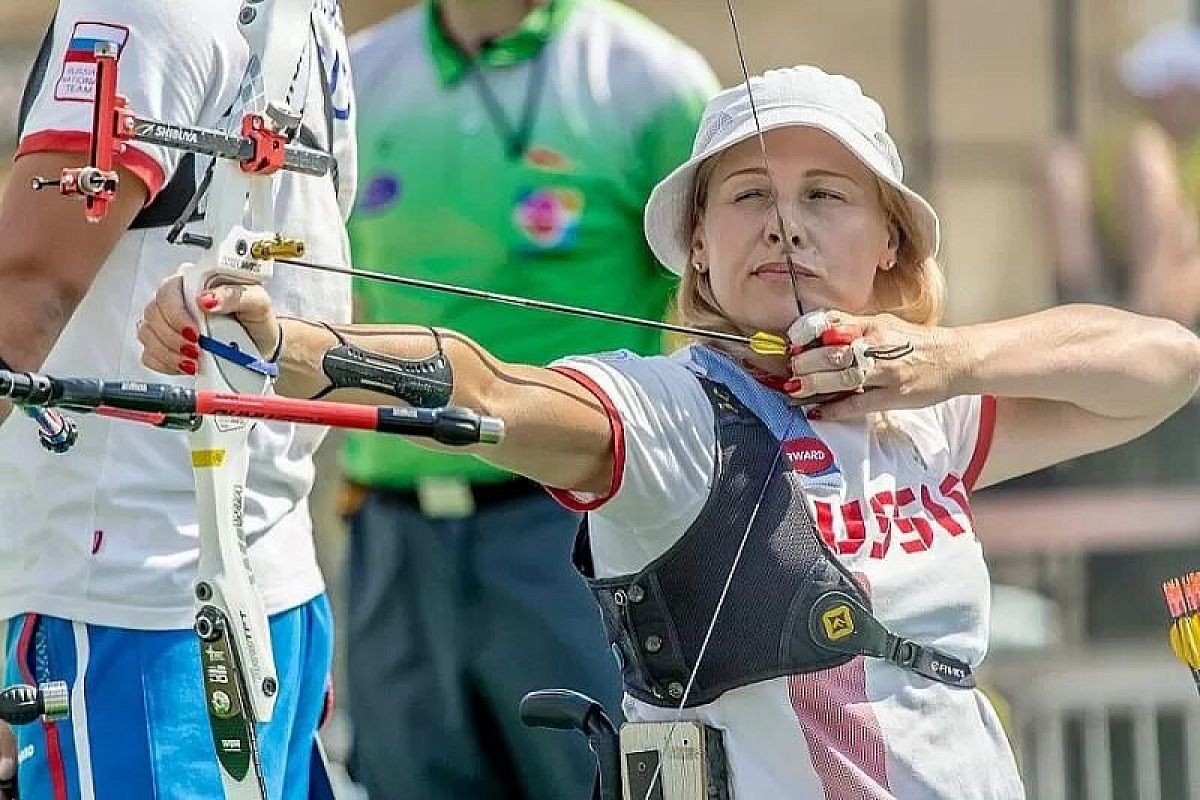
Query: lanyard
x=516 y=139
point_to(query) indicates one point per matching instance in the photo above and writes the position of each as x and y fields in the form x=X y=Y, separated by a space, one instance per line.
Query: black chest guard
x=792 y=607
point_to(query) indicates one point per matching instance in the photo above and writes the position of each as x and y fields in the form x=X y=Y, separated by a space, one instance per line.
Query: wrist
x=962 y=362
x=302 y=344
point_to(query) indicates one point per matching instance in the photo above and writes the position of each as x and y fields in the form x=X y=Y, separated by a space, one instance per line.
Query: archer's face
x=834 y=229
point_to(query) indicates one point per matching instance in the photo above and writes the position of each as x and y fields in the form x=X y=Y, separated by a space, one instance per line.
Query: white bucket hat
x=805 y=96
x=1167 y=58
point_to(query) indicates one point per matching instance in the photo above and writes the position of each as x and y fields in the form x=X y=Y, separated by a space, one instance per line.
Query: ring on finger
x=856 y=378
x=864 y=362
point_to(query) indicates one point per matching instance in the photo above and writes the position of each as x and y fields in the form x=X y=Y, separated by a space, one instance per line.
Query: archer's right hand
x=169 y=332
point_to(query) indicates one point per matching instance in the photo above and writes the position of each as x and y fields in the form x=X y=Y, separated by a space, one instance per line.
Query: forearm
x=556 y=431
x=1106 y=361
x=306 y=369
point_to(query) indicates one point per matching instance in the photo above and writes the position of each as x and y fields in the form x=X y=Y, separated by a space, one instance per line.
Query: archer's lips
x=780 y=269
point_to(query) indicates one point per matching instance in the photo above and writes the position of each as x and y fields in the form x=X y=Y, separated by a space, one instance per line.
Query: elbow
x=477 y=374
x=40 y=287
x=1191 y=359
x=1179 y=351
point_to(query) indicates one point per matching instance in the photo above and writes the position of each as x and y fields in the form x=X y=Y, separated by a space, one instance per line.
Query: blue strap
x=232 y=353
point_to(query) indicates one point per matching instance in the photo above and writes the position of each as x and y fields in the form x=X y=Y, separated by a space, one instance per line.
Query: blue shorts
x=138 y=727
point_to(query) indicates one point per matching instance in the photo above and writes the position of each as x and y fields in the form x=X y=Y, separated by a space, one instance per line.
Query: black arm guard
x=423 y=383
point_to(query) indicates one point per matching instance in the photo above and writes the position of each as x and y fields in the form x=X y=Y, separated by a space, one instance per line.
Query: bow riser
x=220 y=459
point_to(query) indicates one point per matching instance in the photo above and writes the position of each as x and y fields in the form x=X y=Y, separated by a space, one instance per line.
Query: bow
x=237 y=662
x=236 y=657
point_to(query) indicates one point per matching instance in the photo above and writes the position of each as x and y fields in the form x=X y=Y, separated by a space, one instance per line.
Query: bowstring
x=772 y=188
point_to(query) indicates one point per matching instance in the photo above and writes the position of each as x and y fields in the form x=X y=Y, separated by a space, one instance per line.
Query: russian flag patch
x=78 y=79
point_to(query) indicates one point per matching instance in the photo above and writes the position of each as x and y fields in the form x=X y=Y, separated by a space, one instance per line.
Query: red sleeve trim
x=569 y=499
x=147 y=170
x=983 y=440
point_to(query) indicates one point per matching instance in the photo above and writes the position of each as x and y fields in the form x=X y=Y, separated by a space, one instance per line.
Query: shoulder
x=148 y=24
x=376 y=50
x=670 y=370
x=178 y=61
x=633 y=384
x=652 y=57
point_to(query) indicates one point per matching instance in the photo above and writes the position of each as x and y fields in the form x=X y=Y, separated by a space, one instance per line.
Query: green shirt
x=617 y=101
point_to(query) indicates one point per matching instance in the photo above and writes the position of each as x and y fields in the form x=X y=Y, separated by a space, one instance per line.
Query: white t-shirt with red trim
x=106 y=534
x=895 y=508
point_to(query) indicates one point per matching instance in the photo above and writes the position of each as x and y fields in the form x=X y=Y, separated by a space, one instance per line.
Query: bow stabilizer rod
x=21 y=703
x=168 y=405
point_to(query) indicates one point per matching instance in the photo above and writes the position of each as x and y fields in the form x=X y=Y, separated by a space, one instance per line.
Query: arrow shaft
x=512 y=300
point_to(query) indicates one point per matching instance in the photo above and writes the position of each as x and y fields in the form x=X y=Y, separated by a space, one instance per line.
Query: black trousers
x=451 y=623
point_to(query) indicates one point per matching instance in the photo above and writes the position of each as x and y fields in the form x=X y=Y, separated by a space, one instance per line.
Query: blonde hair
x=914 y=289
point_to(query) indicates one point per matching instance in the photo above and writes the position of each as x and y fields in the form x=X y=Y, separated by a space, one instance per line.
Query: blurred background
x=979 y=95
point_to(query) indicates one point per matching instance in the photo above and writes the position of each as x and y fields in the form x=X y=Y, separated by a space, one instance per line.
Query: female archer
x=785 y=562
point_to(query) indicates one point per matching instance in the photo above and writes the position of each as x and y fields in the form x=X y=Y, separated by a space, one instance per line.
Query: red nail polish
x=190 y=334
x=188 y=367
x=792 y=385
x=208 y=302
x=190 y=351
x=814 y=413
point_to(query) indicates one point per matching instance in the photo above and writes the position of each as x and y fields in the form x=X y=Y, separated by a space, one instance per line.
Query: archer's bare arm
x=51 y=255
x=557 y=433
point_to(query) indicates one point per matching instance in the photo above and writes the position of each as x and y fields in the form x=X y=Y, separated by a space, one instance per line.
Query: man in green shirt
x=507 y=145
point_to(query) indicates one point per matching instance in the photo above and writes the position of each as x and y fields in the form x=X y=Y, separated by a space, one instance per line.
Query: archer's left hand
x=892 y=364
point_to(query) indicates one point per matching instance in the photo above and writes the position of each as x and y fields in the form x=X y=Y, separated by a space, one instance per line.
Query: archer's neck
x=472 y=23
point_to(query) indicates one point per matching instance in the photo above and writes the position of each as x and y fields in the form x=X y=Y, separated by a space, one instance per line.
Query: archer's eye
x=751 y=194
